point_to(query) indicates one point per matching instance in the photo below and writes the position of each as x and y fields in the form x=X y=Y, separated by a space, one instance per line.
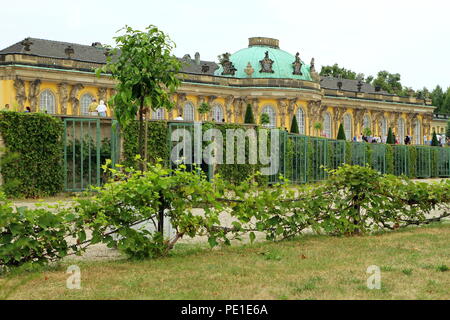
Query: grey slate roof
x=93 y=54
x=348 y=85
x=56 y=49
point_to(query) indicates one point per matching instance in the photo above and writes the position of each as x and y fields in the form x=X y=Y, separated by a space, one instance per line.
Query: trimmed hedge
x=35 y=141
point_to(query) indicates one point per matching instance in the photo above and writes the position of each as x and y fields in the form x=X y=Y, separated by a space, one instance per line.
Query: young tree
x=249 y=117
x=294 y=128
x=389 y=82
x=336 y=72
x=265 y=119
x=438 y=96
x=446 y=104
x=341 y=133
x=318 y=126
x=435 y=141
x=146 y=73
x=390 y=137
x=447 y=133
x=204 y=109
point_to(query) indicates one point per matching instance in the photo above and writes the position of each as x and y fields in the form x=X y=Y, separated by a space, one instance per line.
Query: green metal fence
x=297 y=156
x=378 y=153
x=423 y=162
x=359 y=154
x=443 y=162
x=319 y=159
x=401 y=160
x=337 y=151
x=87 y=146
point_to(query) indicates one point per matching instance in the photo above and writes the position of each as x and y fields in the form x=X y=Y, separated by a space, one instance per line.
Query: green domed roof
x=282 y=61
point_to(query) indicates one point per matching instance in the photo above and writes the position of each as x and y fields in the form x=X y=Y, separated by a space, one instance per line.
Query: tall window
x=417 y=133
x=158 y=114
x=301 y=120
x=85 y=102
x=217 y=113
x=327 y=125
x=384 y=130
x=367 y=122
x=401 y=130
x=47 y=102
x=348 y=127
x=272 y=116
x=188 y=112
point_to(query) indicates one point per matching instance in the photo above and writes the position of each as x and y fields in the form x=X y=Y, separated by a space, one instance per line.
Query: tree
x=318 y=126
x=367 y=132
x=435 y=141
x=265 y=119
x=204 y=109
x=438 y=96
x=390 y=137
x=446 y=104
x=336 y=72
x=249 y=117
x=294 y=128
x=341 y=133
x=145 y=70
x=389 y=82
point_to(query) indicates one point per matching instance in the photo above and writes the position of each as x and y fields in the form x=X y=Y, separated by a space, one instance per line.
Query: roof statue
x=297 y=65
x=266 y=64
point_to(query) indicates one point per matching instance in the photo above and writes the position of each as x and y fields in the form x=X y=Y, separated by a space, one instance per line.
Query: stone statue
x=313 y=65
x=266 y=64
x=63 y=91
x=33 y=94
x=21 y=96
x=297 y=65
x=74 y=98
x=227 y=65
x=102 y=94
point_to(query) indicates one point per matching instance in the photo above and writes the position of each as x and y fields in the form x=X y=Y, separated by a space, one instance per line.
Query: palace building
x=59 y=78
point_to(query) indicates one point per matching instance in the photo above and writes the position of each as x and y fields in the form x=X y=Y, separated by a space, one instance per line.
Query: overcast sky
x=407 y=37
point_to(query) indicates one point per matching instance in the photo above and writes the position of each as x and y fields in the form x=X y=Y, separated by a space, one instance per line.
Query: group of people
x=97 y=109
x=379 y=139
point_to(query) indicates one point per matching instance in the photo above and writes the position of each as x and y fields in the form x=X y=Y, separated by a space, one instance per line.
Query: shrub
x=249 y=117
x=341 y=133
x=294 y=127
x=36 y=140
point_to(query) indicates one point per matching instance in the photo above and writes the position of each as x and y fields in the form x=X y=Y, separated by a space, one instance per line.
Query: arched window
x=85 y=102
x=384 y=130
x=217 y=113
x=367 y=122
x=301 y=120
x=401 y=130
x=188 y=112
x=348 y=127
x=418 y=133
x=47 y=102
x=158 y=114
x=272 y=116
x=327 y=125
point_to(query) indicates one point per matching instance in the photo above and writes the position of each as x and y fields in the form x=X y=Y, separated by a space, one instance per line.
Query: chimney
x=69 y=51
x=197 y=58
x=97 y=45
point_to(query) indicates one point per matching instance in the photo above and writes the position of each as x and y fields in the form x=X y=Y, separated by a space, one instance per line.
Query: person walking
x=101 y=109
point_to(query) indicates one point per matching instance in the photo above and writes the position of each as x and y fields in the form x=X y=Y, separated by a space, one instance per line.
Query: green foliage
x=265 y=119
x=204 y=109
x=389 y=82
x=35 y=236
x=294 y=127
x=35 y=141
x=336 y=72
x=156 y=141
x=341 y=133
x=390 y=137
x=389 y=159
x=249 y=117
x=435 y=141
x=146 y=73
x=367 y=132
x=127 y=212
x=438 y=96
x=447 y=133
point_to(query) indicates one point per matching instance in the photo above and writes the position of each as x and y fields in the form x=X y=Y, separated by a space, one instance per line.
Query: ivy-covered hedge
x=35 y=140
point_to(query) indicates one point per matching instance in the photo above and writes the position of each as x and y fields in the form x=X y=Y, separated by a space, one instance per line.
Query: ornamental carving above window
x=266 y=64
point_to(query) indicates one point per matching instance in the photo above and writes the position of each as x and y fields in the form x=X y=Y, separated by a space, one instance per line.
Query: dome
x=283 y=66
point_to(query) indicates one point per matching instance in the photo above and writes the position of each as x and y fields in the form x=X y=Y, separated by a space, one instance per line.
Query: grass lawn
x=413 y=263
